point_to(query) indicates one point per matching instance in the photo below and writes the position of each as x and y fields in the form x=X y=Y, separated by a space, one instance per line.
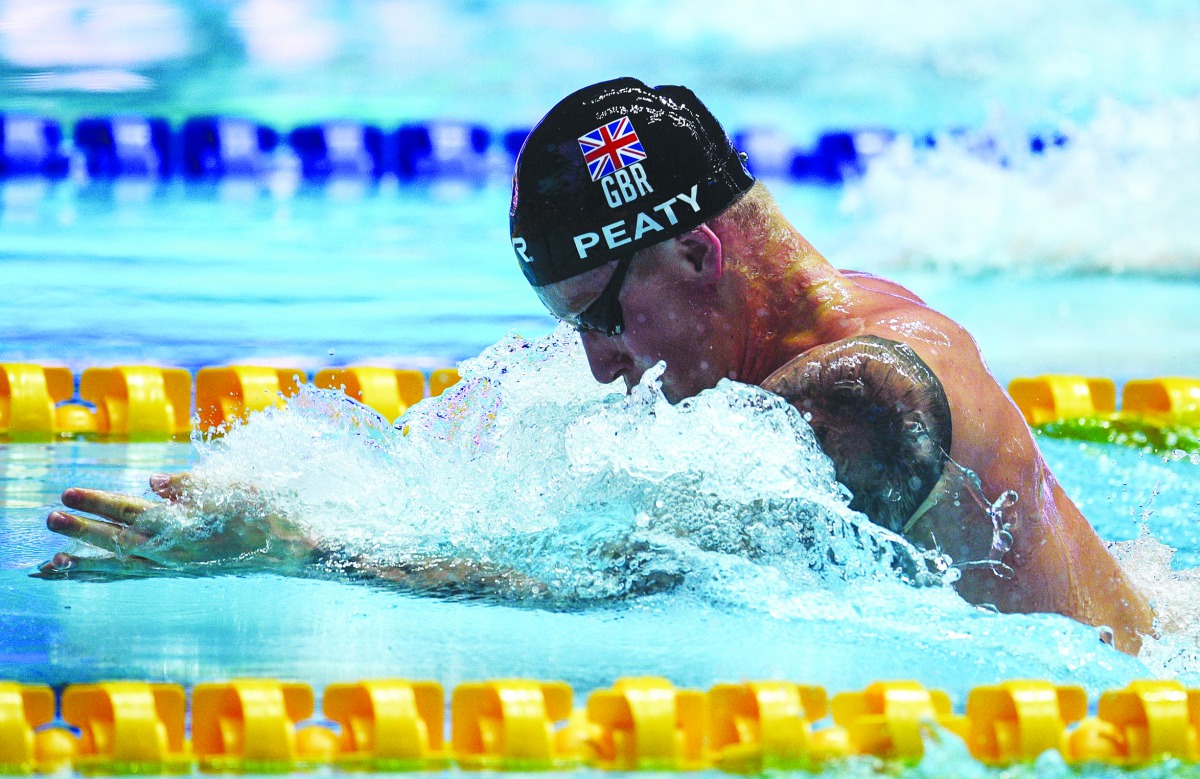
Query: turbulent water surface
x=602 y=522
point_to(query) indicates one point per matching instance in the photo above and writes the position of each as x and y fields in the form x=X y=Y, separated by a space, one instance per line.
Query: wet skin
x=126 y=525
x=1058 y=562
x=781 y=336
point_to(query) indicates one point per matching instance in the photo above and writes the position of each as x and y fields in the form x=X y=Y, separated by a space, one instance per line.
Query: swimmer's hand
x=131 y=528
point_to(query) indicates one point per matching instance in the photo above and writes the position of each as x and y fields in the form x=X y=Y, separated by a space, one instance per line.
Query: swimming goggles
x=604 y=315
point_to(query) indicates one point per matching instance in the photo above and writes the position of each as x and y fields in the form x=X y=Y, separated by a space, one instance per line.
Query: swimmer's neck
x=800 y=303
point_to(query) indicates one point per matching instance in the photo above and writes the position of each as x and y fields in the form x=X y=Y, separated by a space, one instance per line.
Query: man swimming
x=636 y=221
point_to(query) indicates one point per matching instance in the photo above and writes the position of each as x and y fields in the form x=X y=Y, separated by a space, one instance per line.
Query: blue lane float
x=442 y=149
x=30 y=146
x=514 y=139
x=840 y=155
x=124 y=146
x=768 y=150
x=216 y=146
x=339 y=149
x=212 y=147
x=1043 y=142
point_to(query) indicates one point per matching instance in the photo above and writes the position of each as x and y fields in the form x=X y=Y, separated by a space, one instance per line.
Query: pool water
x=776 y=578
x=1083 y=259
x=420 y=276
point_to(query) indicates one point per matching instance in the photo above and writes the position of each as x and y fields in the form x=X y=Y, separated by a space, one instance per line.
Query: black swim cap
x=614 y=168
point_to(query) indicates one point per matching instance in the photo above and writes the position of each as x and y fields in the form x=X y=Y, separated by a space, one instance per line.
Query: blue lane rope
x=213 y=147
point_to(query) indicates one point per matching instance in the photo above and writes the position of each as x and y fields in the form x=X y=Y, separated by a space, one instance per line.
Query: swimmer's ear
x=701 y=248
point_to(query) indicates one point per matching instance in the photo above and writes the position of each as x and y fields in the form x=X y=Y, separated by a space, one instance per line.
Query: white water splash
x=1175 y=653
x=571 y=495
x=528 y=467
x=1119 y=196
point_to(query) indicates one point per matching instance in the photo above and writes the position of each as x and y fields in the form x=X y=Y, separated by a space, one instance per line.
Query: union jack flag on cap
x=611 y=147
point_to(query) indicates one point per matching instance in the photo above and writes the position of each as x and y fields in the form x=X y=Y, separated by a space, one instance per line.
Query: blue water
x=1084 y=260
x=530 y=465
x=800 y=67
x=767 y=615
x=420 y=276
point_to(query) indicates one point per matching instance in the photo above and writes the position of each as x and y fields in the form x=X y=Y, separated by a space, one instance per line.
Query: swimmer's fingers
x=174 y=487
x=122 y=509
x=116 y=538
x=64 y=565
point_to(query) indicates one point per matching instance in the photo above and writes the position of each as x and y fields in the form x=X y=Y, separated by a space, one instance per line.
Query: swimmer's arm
x=883 y=418
x=448 y=576
x=125 y=526
x=640 y=567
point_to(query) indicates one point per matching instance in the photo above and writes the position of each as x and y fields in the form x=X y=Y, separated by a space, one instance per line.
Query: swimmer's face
x=667 y=306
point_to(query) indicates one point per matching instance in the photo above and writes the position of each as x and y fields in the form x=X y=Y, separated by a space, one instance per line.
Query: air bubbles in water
x=532 y=475
x=1174 y=594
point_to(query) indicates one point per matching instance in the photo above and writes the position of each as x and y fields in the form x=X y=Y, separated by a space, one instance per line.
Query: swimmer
x=637 y=222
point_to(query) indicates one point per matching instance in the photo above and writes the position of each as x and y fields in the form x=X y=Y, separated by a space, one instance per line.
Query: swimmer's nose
x=604 y=358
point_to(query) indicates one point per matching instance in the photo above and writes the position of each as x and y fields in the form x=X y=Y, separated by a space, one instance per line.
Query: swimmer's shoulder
x=891 y=311
x=880 y=415
x=886 y=310
x=870 y=281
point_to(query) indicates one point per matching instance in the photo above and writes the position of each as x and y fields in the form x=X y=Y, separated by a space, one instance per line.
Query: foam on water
x=563 y=489
x=1175 y=652
x=531 y=484
x=1119 y=196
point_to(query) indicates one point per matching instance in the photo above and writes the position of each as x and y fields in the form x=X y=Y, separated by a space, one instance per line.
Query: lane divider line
x=640 y=723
